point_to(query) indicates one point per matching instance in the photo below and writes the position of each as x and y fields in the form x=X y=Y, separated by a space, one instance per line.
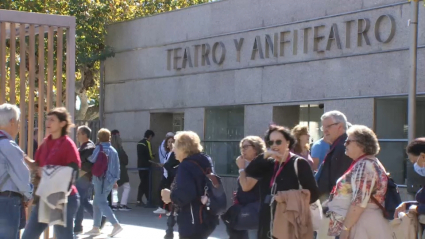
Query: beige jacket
x=292 y=217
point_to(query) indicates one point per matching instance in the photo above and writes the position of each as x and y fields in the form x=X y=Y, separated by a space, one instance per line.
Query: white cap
x=169 y=134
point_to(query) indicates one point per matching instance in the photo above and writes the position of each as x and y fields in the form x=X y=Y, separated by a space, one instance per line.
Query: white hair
x=337 y=116
x=8 y=112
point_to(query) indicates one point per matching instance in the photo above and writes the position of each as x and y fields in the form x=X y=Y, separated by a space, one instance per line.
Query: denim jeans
x=100 y=202
x=34 y=229
x=10 y=216
x=83 y=186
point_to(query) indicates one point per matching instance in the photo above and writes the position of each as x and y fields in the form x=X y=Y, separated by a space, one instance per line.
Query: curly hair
x=63 y=116
x=297 y=132
x=365 y=138
x=284 y=131
x=256 y=142
x=189 y=142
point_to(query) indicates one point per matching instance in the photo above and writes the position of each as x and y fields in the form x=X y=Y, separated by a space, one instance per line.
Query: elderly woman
x=193 y=220
x=277 y=172
x=302 y=144
x=416 y=152
x=353 y=201
x=247 y=198
x=103 y=185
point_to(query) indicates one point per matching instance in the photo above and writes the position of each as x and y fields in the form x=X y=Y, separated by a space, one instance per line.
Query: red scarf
x=51 y=156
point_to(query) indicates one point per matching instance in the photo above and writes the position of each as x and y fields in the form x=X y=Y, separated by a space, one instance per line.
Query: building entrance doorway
x=161 y=124
x=308 y=115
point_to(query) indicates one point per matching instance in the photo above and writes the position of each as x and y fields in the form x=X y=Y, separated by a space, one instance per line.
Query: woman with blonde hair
x=193 y=219
x=302 y=144
x=103 y=185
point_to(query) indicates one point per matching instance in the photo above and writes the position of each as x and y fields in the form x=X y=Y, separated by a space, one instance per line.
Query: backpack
x=392 y=200
x=215 y=191
x=101 y=165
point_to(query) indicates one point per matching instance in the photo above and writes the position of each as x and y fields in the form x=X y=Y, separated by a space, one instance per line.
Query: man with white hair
x=334 y=127
x=15 y=181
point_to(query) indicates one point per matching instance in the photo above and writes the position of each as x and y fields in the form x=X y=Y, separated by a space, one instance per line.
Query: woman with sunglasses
x=276 y=169
x=356 y=200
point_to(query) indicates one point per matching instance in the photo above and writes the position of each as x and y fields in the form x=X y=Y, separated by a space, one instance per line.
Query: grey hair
x=257 y=143
x=9 y=112
x=85 y=129
x=365 y=138
x=337 y=116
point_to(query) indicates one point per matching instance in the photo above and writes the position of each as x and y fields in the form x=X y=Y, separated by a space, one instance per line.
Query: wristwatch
x=241 y=170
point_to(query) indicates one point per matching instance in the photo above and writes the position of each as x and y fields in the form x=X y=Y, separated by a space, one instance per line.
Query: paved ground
x=142 y=223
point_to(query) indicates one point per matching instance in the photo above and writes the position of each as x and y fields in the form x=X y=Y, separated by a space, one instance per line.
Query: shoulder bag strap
x=296 y=172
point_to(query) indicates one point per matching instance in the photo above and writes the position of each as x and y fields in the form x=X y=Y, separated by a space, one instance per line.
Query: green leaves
x=92 y=18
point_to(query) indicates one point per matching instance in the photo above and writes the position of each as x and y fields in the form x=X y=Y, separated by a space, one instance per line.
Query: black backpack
x=392 y=200
x=215 y=192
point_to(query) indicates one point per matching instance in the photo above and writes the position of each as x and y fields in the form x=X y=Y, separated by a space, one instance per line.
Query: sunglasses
x=348 y=141
x=272 y=142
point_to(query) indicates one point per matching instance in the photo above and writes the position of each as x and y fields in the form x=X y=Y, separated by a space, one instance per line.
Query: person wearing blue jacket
x=103 y=186
x=193 y=220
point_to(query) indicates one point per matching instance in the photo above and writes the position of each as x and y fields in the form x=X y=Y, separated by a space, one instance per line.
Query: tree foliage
x=92 y=17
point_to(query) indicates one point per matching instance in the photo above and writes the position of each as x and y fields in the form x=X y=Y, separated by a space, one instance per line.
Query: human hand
x=165 y=194
x=273 y=154
x=240 y=162
x=413 y=209
x=344 y=234
x=400 y=208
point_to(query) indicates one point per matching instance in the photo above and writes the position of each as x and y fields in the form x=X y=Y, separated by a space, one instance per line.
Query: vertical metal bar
x=50 y=69
x=12 y=84
x=3 y=70
x=101 y=91
x=22 y=77
x=413 y=69
x=59 y=67
x=40 y=83
x=30 y=144
x=70 y=72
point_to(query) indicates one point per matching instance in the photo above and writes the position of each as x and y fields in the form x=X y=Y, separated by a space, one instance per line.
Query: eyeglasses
x=348 y=141
x=246 y=146
x=271 y=142
x=323 y=128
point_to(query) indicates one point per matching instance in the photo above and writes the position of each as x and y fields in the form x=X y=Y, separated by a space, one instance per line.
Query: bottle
x=114 y=197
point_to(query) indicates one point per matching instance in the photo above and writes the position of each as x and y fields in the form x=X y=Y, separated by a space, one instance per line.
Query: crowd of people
x=285 y=190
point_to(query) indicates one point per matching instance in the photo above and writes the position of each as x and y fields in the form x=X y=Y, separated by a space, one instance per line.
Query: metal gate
x=36 y=50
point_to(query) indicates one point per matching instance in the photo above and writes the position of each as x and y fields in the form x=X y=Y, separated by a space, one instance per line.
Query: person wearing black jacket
x=336 y=162
x=171 y=166
x=124 y=180
x=144 y=157
x=83 y=184
x=193 y=219
x=277 y=172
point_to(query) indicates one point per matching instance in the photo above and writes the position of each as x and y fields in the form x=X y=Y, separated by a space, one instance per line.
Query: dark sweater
x=335 y=164
x=286 y=180
x=123 y=167
x=86 y=150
